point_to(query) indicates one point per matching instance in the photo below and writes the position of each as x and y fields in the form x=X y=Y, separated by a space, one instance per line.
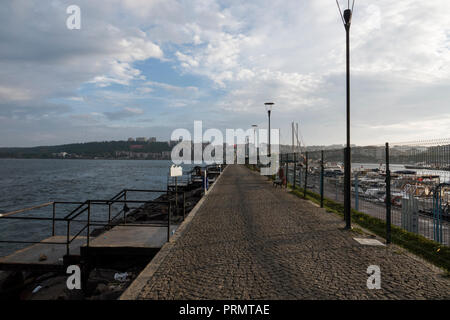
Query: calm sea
x=29 y=182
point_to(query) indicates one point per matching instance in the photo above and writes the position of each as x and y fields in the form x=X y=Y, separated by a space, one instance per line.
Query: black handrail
x=84 y=207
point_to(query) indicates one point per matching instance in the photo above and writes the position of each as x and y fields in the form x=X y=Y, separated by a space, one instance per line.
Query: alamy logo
x=74 y=20
x=374 y=280
x=74 y=280
x=239 y=145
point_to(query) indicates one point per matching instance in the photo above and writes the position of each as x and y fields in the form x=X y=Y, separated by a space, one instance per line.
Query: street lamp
x=269 y=106
x=254 y=126
x=346 y=17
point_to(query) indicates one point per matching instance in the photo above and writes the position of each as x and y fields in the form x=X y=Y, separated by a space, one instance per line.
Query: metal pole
x=184 y=205
x=109 y=213
x=270 y=154
x=295 y=169
x=168 y=221
x=176 y=195
x=53 y=220
x=124 y=213
x=204 y=179
x=336 y=185
x=306 y=175
x=321 y=180
x=286 y=174
x=356 y=193
x=88 y=222
x=347 y=169
x=68 y=238
x=388 y=197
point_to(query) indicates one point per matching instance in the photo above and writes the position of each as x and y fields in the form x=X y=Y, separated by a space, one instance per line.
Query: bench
x=278 y=182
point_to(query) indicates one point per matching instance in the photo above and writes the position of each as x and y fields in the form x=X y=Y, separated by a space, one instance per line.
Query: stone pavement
x=249 y=240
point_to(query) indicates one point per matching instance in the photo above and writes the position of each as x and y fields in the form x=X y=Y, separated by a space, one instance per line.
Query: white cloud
x=14 y=94
x=288 y=51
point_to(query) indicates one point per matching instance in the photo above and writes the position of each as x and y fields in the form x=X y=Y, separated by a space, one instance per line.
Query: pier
x=248 y=240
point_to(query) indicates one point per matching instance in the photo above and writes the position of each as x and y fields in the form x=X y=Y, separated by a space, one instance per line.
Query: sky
x=145 y=68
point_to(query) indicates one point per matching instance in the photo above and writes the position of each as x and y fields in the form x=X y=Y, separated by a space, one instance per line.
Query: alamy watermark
x=374 y=280
x=73 y=22
x=208 y=147
x=74 y=279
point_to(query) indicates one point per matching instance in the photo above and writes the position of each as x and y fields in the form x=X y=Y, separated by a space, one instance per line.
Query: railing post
x=336 y=185
x=168 y=221
x=125 y=206
x=184 y=205
x=68 y=238
x=295 y=170
x=88 y=222
x=321 y=180
x=286 y=175
x=306 y=175
x=388 y=197
x=205 y=182
x=53 y=219
x=176 y=195
x=109 y=213
x=300 y=177
x=437 y=228
x=356 y=192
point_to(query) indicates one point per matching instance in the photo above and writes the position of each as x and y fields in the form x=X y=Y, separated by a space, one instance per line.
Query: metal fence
x=416 y=175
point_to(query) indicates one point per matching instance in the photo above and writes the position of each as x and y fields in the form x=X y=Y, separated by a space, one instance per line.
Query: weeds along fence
x=416 y=175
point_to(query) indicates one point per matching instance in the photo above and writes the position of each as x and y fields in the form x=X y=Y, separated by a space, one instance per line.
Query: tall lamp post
x=269 y=106
x=346 y=17
x=254 y=126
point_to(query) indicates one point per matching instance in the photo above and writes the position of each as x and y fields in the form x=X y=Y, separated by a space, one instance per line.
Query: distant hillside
x=105 y=149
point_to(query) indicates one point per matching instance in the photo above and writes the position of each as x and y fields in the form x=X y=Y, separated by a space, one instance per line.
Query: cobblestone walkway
x=252 y=241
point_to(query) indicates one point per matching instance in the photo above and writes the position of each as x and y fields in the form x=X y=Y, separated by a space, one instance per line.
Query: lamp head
x=348 y=13
x=348 y=16
x=269 y=106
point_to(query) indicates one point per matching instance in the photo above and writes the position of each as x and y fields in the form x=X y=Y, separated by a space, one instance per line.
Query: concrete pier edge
x=135 y=288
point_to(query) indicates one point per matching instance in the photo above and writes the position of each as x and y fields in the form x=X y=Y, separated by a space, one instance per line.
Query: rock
x=74 y=294
x=101 y=288
x=42 y=257
x=46 y=276
x=10 y=279
x=102 y=275
x=52 y=288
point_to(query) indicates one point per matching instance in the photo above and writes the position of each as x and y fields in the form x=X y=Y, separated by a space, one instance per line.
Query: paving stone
x=250 y=240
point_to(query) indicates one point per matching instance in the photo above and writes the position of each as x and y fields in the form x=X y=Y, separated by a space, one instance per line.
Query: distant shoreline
x=37 y=158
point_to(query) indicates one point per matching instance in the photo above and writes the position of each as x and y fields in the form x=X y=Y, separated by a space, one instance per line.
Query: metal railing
x=85 y=210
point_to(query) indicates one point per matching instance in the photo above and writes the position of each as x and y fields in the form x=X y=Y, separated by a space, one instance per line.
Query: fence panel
x=421 y=188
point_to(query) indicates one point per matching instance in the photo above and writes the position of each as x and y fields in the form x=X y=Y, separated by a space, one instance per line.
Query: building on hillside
x=130 y=139
x=141 y=139
x=60 y=154
x=152 y=139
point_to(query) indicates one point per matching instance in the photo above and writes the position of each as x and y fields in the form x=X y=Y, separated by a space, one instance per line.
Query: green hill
x=105 y=149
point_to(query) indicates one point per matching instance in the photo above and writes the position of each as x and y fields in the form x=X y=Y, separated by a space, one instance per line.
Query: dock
x=248 y=240
x=46 y=256
x=129 y=240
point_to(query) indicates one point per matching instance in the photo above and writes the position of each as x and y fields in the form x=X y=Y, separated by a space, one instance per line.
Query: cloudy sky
x=147 y=67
